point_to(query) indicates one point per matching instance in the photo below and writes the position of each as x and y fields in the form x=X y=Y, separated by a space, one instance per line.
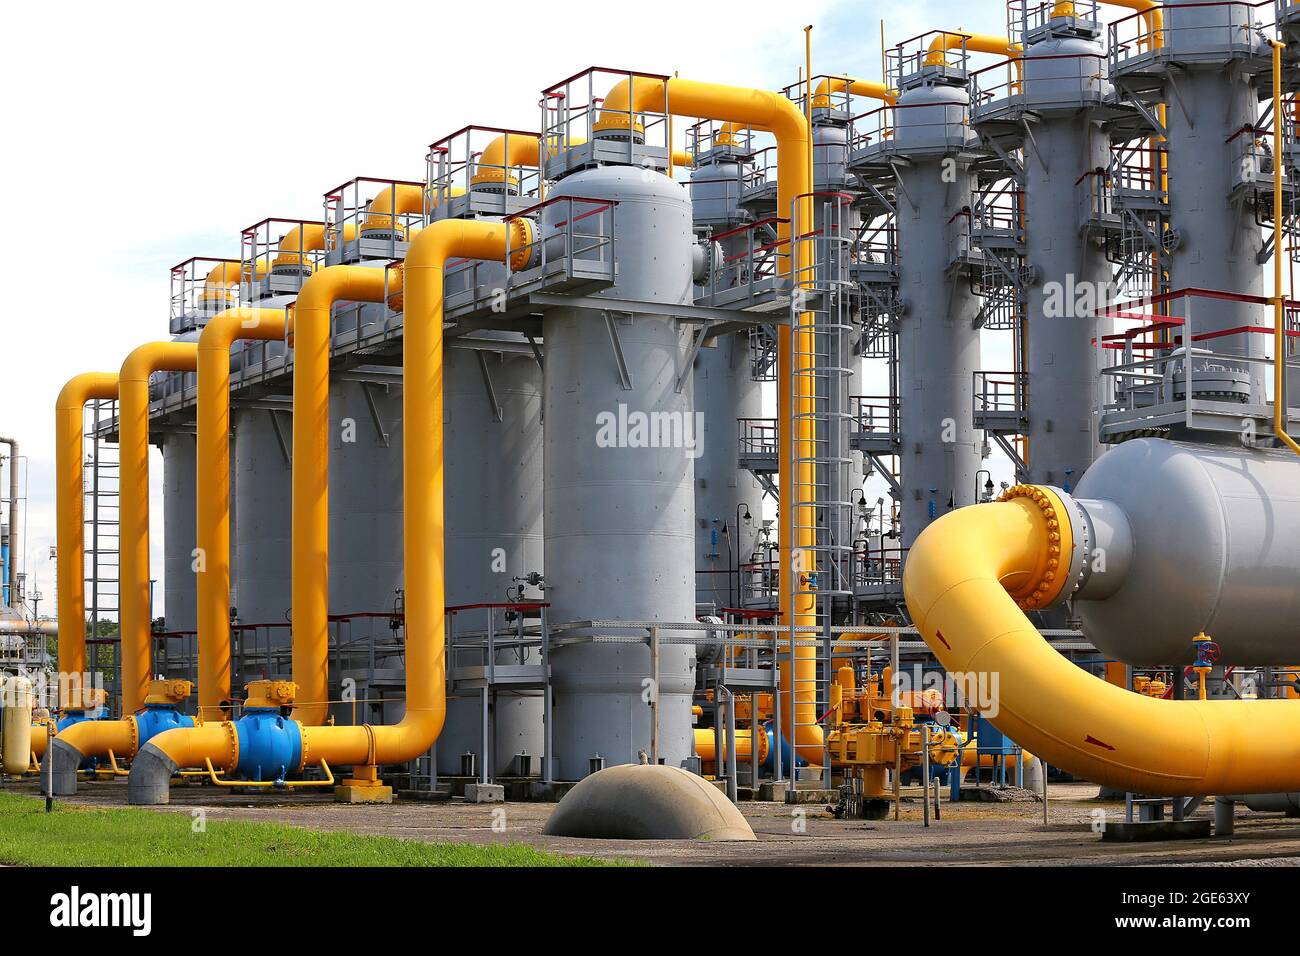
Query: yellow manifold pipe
x=133 y=508
x=70 y=569
x=212 y=539
x=966 y=580
x=310 y=494
x=977 y=42
x=423 y=516
x=770 y=111
x=838 y=84
x=524 y=150
x=297 y=242
x=1149 y=8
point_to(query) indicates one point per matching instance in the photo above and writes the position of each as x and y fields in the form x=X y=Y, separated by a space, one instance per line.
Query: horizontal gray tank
x=1188 y=538
x=620 y=516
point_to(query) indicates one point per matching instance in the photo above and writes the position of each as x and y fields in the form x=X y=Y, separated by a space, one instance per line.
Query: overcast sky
x=140 y=135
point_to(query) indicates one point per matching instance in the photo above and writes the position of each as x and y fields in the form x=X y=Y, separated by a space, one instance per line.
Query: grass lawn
x=83 y=836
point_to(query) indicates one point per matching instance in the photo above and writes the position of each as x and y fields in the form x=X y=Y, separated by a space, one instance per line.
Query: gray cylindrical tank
x=263 y=486
x=1217 y=237
x=179 y=533
x=725 y=391
x=494 y=533
x=1188 y=538
x=619 y=515
x=1069 y=271
x=938 y=344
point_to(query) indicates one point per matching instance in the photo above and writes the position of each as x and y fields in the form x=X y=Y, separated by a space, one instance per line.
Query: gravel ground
x=993 y=834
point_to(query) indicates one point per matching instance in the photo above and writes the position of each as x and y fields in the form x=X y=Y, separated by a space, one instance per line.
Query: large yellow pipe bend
x=70 y=568
x=213 y=495
x=133 y=511
x=966 y=579
x=978 y=43
x=310 y=504
x=767 y=110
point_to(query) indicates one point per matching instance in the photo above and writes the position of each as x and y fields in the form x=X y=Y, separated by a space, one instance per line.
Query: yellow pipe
x=976 y=42
x=298 y=241
x=70 y=516
x=707 y=752
x=422 y=483
x=212 y=538
x=221 y=280
x=95 y=738
x=773 y=112
x=310 y=506
x=1280 y=400
x=392 y=202
x=831 y=85
x=966 y=580
x=524 y=150
x=133 y=508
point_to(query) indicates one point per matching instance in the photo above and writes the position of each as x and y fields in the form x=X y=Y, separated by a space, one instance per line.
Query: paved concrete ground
x=969 y=833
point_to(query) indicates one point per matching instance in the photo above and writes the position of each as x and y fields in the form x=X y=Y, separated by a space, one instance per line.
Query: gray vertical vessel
x=938 y=342
x=179 y=531
x=619 y=522
x=263 y=482
x=725 y=391
x=494 y=533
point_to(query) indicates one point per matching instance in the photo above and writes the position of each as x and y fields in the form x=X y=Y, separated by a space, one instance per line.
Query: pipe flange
x=1048 y=579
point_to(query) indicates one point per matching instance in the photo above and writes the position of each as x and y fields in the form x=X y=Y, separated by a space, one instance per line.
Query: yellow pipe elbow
x=191 y=746
x=978 y=43
x=212 y=447
x=70 y=553
x=706 y=749
x=423 y=518
x=135 y=625
x=966 y=579
x=95 y=738
x=222 y=280
x=310 y=493
x=297 y=242
x=838 y=84
x=391 y=203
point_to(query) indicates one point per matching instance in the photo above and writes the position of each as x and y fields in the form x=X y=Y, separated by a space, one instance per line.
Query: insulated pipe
x=838 y=84
x=12 y=583
x=423 y=526
x=966 y=581
x=69 y=431
x=766 y=110
x=212 y=539
x=135 y=623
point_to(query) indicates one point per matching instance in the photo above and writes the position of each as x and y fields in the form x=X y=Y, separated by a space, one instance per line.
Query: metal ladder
x=102 y=498
x=822 y=330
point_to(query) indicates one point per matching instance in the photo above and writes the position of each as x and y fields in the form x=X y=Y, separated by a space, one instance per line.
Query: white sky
x=140 y=135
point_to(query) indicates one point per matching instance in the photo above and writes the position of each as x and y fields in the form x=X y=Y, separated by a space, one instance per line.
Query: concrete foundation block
x=485 y=793
x=773 y=792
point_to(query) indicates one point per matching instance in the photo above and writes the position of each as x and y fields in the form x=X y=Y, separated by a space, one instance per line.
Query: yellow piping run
x=838 y=84
x=70 y=554
x=773 y=112
x=978 y=43
x=133 y=510
x=213 y=495
x=222 y=282
x=96 y=738
x=962 y=581
x=423 y=516
x=311 y=423
x=525 y=151
x=297 y=242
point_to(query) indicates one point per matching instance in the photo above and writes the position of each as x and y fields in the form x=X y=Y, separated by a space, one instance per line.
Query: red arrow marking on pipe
x=1090 y=739
x=939 y=635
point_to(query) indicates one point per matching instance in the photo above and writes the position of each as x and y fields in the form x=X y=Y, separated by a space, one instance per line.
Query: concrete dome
x=647 y=802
